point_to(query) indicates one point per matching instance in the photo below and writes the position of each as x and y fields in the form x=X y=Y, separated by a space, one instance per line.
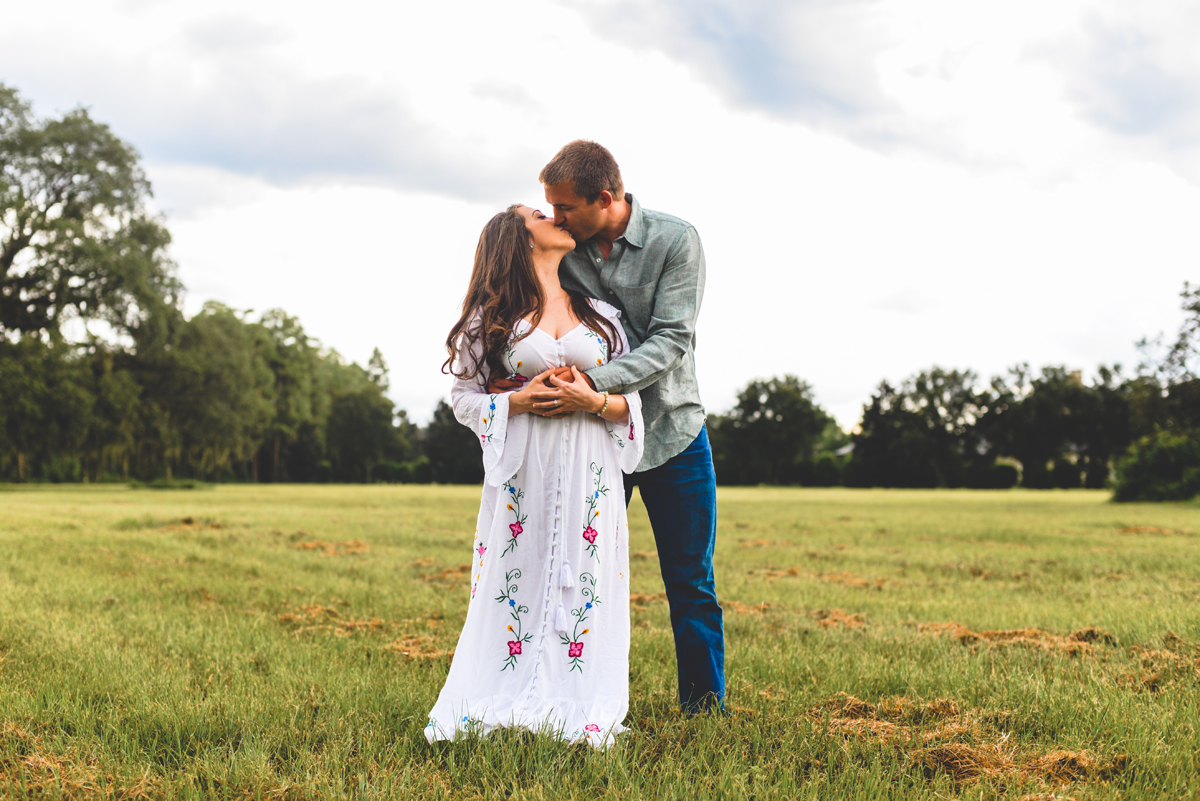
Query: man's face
x=580 y=218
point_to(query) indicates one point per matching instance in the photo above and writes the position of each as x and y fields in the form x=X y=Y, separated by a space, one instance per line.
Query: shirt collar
x=636 y=229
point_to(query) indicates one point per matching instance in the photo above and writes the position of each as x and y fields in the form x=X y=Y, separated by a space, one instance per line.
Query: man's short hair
x=588 y=166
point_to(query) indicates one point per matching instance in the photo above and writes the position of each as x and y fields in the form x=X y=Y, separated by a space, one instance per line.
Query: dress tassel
x=560 y=620
x=566 y=578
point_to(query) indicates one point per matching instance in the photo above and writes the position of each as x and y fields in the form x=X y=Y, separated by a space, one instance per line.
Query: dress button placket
x=555 y=559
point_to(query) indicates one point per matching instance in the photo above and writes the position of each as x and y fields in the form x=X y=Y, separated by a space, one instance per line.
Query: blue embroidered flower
x=597 y=495
x=512 y=490
x=511 y=602
x=588 y=605
x=492 y=407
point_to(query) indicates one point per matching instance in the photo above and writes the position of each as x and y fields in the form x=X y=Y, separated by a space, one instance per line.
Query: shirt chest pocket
x=637 y=302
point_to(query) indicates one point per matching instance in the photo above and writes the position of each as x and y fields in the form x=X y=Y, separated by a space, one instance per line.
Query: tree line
x=944 y=428
x=142 y=392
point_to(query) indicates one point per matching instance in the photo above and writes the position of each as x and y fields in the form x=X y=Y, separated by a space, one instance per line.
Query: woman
x=545 y=645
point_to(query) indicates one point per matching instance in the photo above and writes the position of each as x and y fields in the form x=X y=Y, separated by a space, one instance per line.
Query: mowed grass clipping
x=288 y=641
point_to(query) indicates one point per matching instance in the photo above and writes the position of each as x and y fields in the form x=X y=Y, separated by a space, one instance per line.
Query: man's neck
x=619 y=213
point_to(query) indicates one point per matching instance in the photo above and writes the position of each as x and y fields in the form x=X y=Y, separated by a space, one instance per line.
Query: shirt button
x=599 y=260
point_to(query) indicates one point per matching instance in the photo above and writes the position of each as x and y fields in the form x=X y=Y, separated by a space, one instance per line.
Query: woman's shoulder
x=606 y=309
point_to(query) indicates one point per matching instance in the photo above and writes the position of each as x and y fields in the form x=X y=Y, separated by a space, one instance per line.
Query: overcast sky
x=880 y=185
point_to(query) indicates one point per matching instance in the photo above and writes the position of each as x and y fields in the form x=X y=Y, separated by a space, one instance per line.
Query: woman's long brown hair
x=504 y=289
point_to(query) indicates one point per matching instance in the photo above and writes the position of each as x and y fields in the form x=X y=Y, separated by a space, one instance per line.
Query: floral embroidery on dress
x=489 y=415
x=513 y=369
x=574 y=641
x=517 y=527
x=593 y=512
x=480 y=550
x=590 y=334
x=515 y=611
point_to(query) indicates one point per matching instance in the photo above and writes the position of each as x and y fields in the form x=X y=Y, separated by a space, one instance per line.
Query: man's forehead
x=562 y=195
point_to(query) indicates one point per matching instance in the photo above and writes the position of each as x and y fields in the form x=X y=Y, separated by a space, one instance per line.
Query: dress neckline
x=548 y=334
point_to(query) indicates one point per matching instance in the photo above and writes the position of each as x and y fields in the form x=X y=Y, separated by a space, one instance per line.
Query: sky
x=880 y=185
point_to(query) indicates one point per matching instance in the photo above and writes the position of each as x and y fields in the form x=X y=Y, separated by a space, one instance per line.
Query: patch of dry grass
x=944 y=739
x=343 y=548
x=1077 y=643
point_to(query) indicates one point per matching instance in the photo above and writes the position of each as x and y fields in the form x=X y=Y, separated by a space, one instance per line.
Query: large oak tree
x=75 y=236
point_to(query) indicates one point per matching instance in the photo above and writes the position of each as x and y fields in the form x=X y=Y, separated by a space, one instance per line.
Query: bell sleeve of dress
x=502 y=438
x=629 y=435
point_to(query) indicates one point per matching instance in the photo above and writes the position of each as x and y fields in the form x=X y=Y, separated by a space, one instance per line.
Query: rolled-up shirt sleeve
x=672 y=327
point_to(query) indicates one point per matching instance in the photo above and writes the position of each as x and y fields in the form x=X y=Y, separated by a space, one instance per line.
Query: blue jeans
x=681 y=500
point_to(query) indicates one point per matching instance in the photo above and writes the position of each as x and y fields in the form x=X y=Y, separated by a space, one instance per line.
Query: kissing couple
x=574 y=364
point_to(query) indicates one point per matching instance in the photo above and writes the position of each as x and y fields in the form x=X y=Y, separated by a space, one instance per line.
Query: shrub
x=1036 y=476
x=1067 y=474
x=1160 y=467
x=1004 y=476
x=414 y=472
x=826 y=471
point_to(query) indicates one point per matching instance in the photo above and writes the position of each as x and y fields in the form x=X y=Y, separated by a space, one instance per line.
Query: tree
x=452 y=449
x=921 y=434
x=292 y=359
x=1180 y=361
x=1063 y=432
x=360 y=431
x=112 y=427
x=44 y=405
x=75 y=238
x=208 y=398
x=771 y=434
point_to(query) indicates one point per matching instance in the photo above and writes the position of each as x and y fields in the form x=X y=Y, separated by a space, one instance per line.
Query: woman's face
x=545 y=235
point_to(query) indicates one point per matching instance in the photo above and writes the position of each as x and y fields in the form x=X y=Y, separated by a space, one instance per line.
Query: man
x=651 y=266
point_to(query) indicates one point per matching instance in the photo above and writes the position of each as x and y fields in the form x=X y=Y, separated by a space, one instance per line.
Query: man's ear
x=605 y=199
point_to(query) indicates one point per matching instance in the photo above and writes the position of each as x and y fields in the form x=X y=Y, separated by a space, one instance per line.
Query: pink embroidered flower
x=514 y=647
x=473 y=591
x=591 y=727
x=590 y=534
x=483 y=437
x=575 y=649
x=515 y=528
x=631 y=430
x=481 y=549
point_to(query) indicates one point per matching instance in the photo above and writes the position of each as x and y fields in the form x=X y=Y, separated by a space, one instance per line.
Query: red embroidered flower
x=514 y=647
x=590 y=534
x=591 y=727
x=515 y=528
x=575 y=649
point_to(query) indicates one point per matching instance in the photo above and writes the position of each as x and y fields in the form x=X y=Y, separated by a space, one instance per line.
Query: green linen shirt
x=655 y=276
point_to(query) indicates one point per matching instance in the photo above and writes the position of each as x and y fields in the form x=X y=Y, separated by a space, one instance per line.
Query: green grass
x=142 y=654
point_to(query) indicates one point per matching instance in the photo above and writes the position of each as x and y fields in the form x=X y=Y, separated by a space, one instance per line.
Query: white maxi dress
x=545 y=645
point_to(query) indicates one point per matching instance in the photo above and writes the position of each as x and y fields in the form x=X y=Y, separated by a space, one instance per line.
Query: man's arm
x=672 y=324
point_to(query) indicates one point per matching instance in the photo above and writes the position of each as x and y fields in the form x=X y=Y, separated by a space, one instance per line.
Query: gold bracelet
x=603 y=408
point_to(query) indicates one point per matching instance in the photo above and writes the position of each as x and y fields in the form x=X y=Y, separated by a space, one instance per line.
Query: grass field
x=288 y=641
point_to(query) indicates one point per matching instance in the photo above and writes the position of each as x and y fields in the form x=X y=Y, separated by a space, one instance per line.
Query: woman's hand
x=566 y=397
x=522 y=400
